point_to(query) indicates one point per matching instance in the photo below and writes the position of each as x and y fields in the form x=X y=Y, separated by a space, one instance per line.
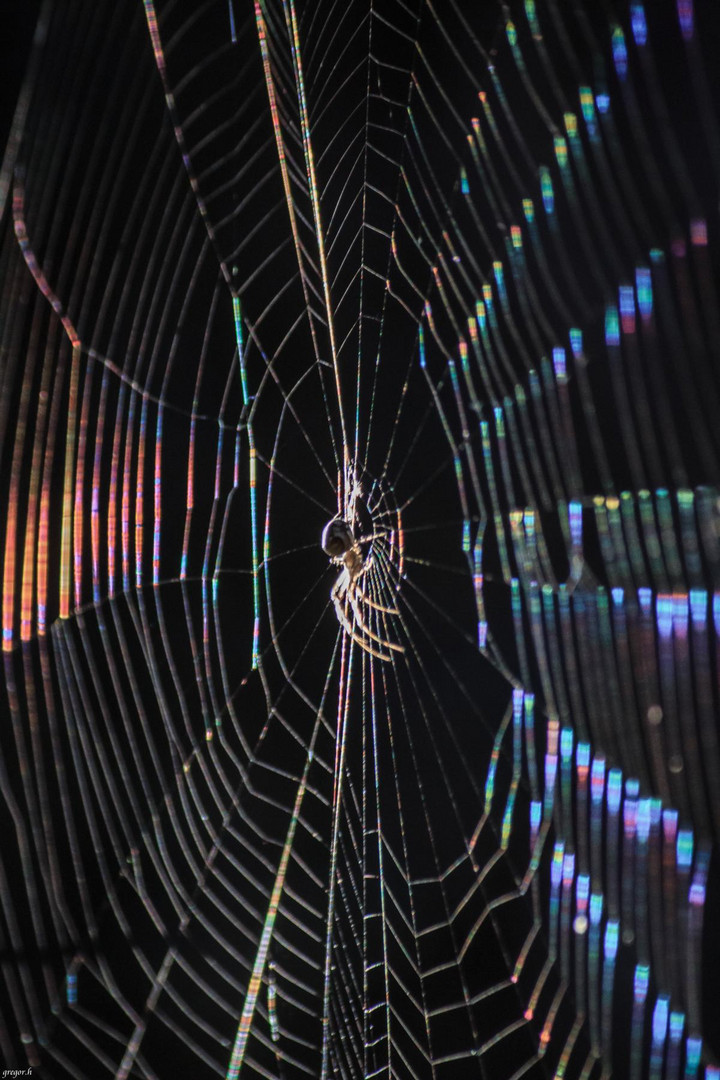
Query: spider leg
x=352 y=599
x=352 y=632
x=368 y=648
x=341 y=600
x=368 y=600
x=376 y=607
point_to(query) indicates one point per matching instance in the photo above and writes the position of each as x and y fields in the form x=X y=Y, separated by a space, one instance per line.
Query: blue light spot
x=596 y=907
x=639 y=26
x=677 y=1023
x=698 y=606
x=627 y=301
x=612 y=326
x=660 y=1019
x=645 y=600
x=619 y=51
x=664 y=615
x=614 y=790
x=576 y=342
x=611 y=939
x=686 y=18
x=684 y=850
x=643 y=284
x=546 y=188
x=640 y=982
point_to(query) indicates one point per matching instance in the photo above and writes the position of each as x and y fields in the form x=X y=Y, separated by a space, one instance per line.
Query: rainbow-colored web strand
x=252 y=465
x=70 y=509
x=237 y=1056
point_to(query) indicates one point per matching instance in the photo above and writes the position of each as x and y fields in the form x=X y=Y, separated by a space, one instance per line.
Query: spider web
x=446 y=271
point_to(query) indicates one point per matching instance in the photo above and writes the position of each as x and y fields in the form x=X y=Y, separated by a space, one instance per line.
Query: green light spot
x=587 y=104
x=570 y=124
x=546 y=188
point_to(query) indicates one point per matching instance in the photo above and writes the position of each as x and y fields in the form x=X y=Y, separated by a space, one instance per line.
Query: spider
x=339 y=543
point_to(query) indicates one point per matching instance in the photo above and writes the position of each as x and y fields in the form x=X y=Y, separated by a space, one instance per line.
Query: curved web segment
x=448 y=276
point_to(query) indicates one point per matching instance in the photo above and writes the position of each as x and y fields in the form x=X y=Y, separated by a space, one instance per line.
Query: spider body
x=349 y=599
x=337 y=538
